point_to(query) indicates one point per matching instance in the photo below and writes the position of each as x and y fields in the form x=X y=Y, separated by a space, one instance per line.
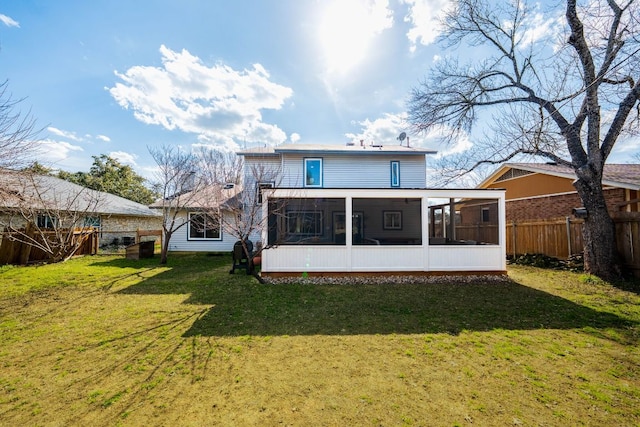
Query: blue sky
x=116 y=77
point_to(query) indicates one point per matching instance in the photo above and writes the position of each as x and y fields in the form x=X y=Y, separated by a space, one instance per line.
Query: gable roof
x=32 y=191
x=614 y=175
x=335 y=149
x=202 y=198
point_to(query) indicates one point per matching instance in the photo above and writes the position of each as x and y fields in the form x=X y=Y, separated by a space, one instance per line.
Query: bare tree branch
x=17 y=132
x=179 y=182
x=46 y=213
x=569 y=96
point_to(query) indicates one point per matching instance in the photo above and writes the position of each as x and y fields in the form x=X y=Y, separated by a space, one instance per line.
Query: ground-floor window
x=204 y=226
x=47 y=221
x=92 y=221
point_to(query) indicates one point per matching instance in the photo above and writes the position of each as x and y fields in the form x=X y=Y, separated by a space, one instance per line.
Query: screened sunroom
x=335 y=231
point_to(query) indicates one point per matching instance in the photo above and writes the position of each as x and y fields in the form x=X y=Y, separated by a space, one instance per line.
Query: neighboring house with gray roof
x=42 y=198
x=537 y=191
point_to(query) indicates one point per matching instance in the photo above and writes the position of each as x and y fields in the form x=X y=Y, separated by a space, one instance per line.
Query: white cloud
x=295 y=137
x=424 y=16
x=626 y=150
x=219 y=104
x=8 y=21
x=438 y=138
x=64 y=134
x=124 y=157
x=103 y=138
x=56 y=152
x=386 y=130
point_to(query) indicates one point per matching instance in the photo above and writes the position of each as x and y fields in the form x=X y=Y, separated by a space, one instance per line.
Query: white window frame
x=204 y=232
x=313 y=184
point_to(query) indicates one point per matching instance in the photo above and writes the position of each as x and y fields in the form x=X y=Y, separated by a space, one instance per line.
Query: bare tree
x=567 y=100
x=220 y=167
x=46 y=213
x=17 y=132
x=179 y=182
x=239 y=207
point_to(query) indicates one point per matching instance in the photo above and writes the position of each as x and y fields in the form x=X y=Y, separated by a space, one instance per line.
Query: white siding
x=180 y=243
x=305 y=259
x=357 y=171
x=387 y=258
x=466 y=258
x=267 y=168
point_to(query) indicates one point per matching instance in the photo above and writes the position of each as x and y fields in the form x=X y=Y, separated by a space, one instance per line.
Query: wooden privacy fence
x=561 y=238
x=16 y=252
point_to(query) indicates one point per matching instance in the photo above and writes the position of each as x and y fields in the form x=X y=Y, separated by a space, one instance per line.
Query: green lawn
x=107 y=341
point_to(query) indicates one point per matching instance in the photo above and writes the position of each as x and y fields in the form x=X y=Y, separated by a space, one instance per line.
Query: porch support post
x=425 y=232
x=348 y=219
x=451 y=232
x=502 y=229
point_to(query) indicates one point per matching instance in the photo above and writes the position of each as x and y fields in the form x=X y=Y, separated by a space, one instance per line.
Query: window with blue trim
x=395 y=173
x=313 y=172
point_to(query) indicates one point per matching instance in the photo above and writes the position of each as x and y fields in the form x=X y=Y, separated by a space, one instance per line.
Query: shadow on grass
x=241 y=306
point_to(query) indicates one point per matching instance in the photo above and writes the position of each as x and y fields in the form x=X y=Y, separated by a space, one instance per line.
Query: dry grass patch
x=189 y=344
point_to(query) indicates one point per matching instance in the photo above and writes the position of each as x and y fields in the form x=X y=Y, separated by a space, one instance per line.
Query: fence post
x=569 y=253
x=514 y=237
x=25 y=249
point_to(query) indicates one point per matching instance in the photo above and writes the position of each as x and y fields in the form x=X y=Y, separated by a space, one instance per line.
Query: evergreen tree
x=109 y=175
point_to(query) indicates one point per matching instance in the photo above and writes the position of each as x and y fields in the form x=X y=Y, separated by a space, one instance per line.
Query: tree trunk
x=599 y=234
x=165 y=248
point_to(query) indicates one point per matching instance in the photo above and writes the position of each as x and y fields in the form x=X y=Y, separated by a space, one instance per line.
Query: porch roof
x=389 y=193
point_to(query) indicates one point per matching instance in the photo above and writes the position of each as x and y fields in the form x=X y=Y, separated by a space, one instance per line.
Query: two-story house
x=359 y=209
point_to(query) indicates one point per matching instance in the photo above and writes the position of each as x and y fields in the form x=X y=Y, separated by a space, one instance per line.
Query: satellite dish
x=402 y=136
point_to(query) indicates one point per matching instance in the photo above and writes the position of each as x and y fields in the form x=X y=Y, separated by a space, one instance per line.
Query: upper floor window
x=395 y=173
x=313 y=172
x=204 y=227
x=261 y=186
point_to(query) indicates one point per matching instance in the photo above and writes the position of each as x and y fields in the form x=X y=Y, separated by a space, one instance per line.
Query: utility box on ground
x=141 y=250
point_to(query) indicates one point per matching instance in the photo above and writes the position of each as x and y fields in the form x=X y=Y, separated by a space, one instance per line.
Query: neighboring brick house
x=537 y=191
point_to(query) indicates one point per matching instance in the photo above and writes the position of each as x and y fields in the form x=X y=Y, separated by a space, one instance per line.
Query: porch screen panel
x=306 y=221
x=465 y=221
x=393 y=221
